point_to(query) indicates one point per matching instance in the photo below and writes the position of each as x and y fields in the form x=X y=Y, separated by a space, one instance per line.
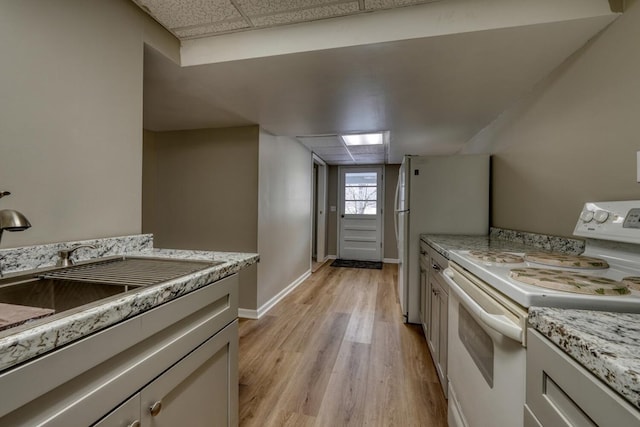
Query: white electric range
x=491 y=291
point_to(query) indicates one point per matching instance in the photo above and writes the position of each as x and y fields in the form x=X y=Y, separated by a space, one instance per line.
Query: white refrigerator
x=436 y=195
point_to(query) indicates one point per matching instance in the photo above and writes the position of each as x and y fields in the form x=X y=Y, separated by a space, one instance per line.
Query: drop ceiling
x=432 y=93
x=201 y=18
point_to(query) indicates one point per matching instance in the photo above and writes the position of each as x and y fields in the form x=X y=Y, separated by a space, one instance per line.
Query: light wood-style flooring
x=335 y=353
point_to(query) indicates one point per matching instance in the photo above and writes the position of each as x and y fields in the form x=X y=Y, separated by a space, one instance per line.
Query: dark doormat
x=357 y=264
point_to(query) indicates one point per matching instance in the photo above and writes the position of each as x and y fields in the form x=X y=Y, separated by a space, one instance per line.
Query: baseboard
x=245 y=313
x=256 y=314
x=384 y=260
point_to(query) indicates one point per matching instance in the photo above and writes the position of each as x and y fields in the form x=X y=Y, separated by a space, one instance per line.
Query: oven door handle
x=498 y=322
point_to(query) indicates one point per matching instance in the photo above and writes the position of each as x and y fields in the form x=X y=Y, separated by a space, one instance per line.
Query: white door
x=319 y=207
x=361 y=201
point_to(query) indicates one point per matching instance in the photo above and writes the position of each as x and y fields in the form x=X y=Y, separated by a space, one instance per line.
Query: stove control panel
x=617 y=221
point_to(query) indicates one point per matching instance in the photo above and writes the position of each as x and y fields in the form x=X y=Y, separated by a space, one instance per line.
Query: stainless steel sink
x=59 y=295
x=67 y=288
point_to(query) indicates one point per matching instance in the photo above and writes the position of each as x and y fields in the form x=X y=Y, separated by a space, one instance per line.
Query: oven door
x=486 y=355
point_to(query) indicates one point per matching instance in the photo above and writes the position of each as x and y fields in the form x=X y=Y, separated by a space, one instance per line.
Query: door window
x=361 y=193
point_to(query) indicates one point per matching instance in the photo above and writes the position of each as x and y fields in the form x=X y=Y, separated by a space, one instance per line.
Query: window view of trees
x=361 y=193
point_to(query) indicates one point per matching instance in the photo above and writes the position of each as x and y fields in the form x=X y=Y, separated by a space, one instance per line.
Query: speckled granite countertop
x=506 y=240
x=606 y=344
x=27 y=341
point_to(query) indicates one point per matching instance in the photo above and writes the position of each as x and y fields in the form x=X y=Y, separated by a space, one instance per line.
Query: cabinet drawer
x=560 y=392
x=438 y=262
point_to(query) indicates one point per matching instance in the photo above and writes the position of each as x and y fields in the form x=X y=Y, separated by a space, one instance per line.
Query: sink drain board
x=129 y=271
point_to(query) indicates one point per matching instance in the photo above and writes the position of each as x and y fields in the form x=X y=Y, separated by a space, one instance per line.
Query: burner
x=497 y=257
x=564 y=260
x=569 y=281
x=633 y=282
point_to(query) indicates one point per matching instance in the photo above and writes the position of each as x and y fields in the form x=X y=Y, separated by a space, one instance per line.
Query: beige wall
x=201 y=192
x=574 y=139
x=234 y=189
x=71 y=116
x=390 y=248
x=284 y=216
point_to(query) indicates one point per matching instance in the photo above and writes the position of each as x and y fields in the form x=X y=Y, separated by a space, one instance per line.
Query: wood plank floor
x=335 y=353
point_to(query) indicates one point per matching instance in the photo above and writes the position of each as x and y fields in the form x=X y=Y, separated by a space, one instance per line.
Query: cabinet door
x=434 y=316
x=200 y=390
x=424 y=313
x=125 y=415
x=443 y=346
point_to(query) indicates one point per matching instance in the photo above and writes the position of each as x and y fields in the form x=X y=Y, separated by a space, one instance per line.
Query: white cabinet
x=434 y=304
x=425 y=290
x=199 y=390
x=125 y=415
x=561 y=392
x=182 y=354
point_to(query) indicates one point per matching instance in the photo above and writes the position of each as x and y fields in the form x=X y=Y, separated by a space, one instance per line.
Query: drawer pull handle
x=435 y=267
x=136 y=423
x=155 y=408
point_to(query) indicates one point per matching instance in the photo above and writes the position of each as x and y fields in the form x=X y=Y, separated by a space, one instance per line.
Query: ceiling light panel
x=363 y=139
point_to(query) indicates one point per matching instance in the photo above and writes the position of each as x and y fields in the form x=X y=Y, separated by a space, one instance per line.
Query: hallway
x=336 y=353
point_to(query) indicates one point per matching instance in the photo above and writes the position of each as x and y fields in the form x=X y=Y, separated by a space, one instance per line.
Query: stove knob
x=586 y=216
x=601 y=216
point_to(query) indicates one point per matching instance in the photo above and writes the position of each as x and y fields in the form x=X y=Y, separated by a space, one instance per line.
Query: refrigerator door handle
x=396 y=207
x=395 y=225
x=396 y=213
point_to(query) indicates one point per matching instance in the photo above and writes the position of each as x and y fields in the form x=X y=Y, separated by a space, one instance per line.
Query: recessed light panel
x=363 y=139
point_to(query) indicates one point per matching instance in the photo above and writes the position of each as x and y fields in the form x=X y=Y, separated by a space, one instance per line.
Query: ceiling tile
x=331 y=151
x=366 y=149
x=388 y=4
x=218 y=27
x=306 y=14
x=261 y=7
x=321 y=141
x=184 y=13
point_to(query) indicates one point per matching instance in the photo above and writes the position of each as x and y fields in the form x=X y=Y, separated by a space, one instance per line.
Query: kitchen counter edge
x=29 y=342
x=606 y=344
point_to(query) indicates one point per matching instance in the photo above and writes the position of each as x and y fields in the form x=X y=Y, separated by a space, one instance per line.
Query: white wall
x=71 y=116
x=284 y=214
x=574 y=139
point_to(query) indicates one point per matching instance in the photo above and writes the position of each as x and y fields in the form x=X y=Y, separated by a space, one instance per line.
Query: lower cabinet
x=439 y=327
x=561 y=392
x=173 y=365
x=199 y=390
x=425 y=291
x=434 y=308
